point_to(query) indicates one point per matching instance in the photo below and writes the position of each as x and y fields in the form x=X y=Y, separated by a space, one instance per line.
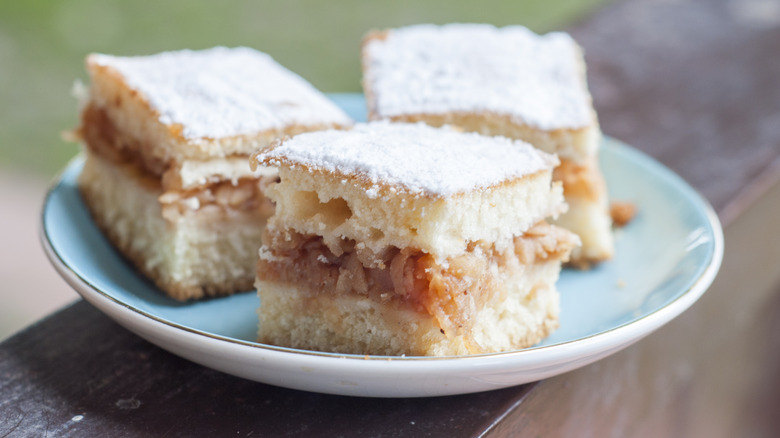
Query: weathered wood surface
x=695 y=84
x=712 y=372
x=78 y=373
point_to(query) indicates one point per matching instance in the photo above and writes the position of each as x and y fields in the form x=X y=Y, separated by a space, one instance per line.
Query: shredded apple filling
x=582 y=181
x=244 y=195
x=450 y=291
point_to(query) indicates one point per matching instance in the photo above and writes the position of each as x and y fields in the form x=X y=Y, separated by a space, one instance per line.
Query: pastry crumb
x=622 y=212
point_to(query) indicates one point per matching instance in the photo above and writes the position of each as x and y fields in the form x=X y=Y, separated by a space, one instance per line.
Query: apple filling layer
x=451 y=290
x=242 y=195
x=213 y=197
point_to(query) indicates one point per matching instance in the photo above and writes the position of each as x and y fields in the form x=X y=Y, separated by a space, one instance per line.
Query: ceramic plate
x=666 y=258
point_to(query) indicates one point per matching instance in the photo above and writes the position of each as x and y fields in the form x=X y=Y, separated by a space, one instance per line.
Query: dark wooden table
x=695 y=84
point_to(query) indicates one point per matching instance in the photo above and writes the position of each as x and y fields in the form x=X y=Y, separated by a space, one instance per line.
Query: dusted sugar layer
x=166 y=109
x=413 y=157
x=506 y=82
x=223 y=92
x=426 y=69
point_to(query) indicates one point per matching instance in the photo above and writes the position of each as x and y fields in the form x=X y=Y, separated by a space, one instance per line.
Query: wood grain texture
x=694 y=83
x=78 y=373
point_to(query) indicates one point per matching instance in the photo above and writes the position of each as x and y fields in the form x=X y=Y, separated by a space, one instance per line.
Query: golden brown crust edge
x=559 y=141
x=374 y=35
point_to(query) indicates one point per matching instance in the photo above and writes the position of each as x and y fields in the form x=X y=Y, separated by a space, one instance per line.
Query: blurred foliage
x=43 y=44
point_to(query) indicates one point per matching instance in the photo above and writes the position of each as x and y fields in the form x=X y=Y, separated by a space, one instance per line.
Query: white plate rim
x=523 y=366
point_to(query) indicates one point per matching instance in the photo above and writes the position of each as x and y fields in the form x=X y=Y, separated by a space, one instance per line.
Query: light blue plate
x=663 y=254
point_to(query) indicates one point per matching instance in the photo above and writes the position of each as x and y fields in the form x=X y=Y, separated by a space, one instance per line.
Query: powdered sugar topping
x=413 y=157
x=536 y=80
x=223 y=92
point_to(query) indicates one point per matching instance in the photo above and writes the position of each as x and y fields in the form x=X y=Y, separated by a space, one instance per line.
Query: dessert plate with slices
x=665 y=259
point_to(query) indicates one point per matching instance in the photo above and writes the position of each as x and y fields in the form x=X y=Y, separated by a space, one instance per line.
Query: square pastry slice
x=167 y=140
x=395 y=239
x=499 y=81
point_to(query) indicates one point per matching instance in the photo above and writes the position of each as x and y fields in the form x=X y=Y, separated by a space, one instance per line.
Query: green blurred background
x=43 y=44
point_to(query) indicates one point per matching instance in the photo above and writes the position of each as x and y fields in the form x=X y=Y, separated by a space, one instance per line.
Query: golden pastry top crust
x=538 y=80
x=496 y=81
x=188 y=105
x=410 y=186
x=411 y=158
